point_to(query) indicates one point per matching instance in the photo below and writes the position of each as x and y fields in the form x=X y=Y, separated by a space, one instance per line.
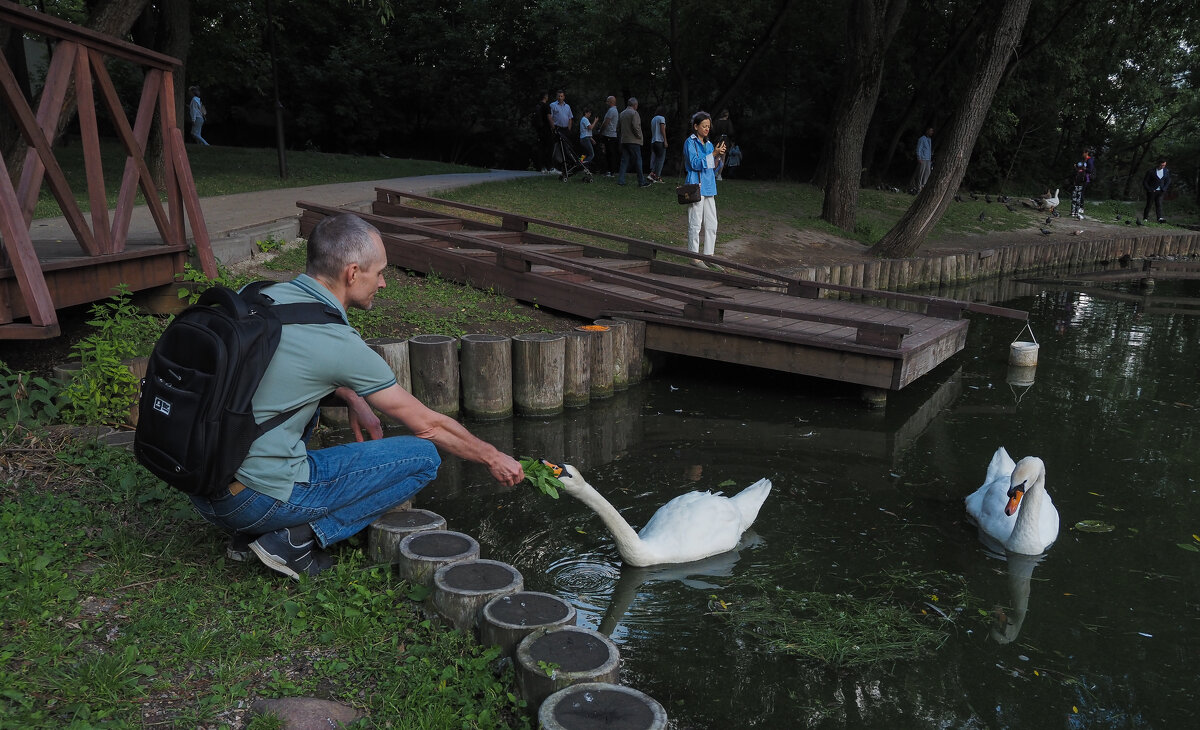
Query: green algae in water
x=842 y=630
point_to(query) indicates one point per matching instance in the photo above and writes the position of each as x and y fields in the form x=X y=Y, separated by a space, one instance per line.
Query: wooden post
x=574 y=654
x=65 y=372
x=620 y=345
x=137 y=368
x=874 y=397
x=460 y=590
x=538 y=373
x=486 y=373
x=600 y=349
x=434 y=360
x=508 y=619
x=601 y=705
x=394 y=352
x=422 y=553
x=385 y=534
x=635 y=347
x=577 y=369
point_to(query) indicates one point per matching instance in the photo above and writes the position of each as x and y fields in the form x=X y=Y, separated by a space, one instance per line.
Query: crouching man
x=291 y=502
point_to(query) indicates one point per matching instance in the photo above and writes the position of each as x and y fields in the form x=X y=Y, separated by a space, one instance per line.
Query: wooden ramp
x=740 y=314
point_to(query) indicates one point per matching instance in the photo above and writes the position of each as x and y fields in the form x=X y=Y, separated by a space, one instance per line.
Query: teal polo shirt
x=312 y=361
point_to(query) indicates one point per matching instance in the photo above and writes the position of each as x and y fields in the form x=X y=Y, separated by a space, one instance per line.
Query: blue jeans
x=349 y=487
x=658 y=155
x=631 y=156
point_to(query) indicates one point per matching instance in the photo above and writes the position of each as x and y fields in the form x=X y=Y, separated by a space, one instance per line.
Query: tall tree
x=914 y=226
x=870 y=29
x=111 y=17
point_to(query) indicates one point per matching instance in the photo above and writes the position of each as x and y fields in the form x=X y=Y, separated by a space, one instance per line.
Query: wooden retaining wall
x=1060 y=253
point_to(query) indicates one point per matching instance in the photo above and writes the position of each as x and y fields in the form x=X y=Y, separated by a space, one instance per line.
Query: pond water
x=1103 y=632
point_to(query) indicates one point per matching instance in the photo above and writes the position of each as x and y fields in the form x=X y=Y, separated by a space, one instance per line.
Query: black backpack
x=195 y=423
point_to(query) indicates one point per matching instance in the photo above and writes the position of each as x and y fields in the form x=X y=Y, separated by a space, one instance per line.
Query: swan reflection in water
x=584 y=580
x=1006 y=625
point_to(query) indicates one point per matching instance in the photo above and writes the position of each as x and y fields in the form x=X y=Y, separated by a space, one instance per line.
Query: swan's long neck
x=628 y=542
x=1025 y=529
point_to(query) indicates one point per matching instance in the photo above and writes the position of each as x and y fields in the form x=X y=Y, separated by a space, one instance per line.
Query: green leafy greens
x=541 y=476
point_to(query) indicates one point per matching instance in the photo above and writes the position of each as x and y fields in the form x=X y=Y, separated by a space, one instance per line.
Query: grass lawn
x=118 y=608
x=751 y=209
x=226 y=170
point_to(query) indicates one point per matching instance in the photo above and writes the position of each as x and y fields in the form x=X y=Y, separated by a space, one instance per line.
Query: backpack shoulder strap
x=307 y=313
x=296 y=313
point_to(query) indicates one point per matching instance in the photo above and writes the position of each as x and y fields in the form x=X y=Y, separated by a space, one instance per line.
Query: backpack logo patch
x=162 y=406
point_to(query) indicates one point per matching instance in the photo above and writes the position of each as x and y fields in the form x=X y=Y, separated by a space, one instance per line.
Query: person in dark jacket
x=1155 y=183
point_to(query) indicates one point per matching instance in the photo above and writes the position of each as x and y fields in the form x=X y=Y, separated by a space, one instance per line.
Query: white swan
x=690 y=527
x=1012 y=508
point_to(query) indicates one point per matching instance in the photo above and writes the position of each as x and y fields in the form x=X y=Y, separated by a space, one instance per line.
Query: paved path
x=235 y=222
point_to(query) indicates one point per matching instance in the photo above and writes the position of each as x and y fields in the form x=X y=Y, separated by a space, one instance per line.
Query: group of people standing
x=621 y=140
x=614 y=140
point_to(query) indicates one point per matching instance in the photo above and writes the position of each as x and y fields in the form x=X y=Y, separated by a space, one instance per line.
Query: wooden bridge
x=738 y=313
x=39 y=277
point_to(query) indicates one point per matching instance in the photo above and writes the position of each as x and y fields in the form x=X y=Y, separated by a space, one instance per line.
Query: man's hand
x=361 y=415
x=506 y=470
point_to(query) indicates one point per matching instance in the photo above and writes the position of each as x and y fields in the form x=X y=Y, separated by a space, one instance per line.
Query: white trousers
x=702 y=216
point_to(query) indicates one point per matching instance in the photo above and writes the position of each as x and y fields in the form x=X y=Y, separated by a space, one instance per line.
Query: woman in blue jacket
x=702 y=161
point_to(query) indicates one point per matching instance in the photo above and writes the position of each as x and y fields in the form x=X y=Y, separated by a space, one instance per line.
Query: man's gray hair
x=338 y=242
x=632 y=101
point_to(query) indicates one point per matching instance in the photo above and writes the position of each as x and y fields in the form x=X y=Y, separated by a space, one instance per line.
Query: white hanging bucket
x=1021 y=353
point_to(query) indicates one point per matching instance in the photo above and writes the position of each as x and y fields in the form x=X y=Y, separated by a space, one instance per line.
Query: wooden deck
x=740 y=315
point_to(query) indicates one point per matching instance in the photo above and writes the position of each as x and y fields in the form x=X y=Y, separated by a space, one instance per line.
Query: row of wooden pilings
x=1057 y=253
x=491 y=377
x=567 y=674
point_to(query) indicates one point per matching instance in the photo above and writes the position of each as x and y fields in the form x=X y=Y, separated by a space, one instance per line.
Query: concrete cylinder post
x=486 y=372
x=462 y=589
x=386 y=533
x=595 y=705
x=577 y=369
x=538 y=373
x=421 y=554
x=620 y=330
x=434 y=366
x=601 y=355
x=508 y=619
x=550 y=659
x=394 y=351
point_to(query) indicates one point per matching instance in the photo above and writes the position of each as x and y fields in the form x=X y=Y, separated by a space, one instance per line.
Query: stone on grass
x=306 y=713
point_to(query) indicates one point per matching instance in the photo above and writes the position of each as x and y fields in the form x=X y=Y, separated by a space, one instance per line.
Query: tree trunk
x=12 y=44
x=166 y=28
x=870 y=29
x=914 y=226
x=111 y=17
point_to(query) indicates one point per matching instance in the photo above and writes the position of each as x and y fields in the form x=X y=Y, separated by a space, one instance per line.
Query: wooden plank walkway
x=739 y=314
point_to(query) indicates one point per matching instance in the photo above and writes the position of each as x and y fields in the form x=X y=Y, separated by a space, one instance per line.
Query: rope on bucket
x=1021 y=353
x=1031 y=335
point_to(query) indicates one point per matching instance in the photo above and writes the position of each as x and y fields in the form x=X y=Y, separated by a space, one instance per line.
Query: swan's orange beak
x=558 y=470
x=1014 y=499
